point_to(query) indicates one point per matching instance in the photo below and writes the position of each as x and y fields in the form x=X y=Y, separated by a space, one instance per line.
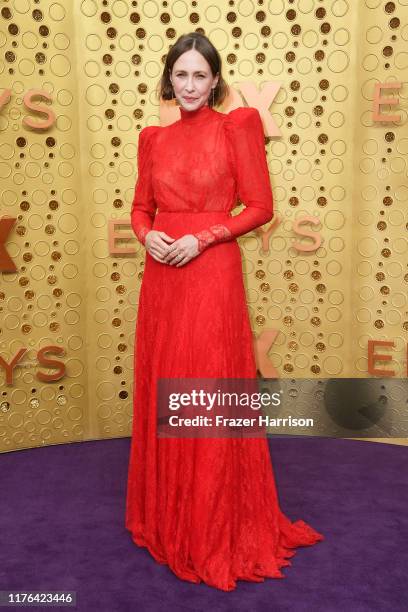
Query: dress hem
x=282 y=559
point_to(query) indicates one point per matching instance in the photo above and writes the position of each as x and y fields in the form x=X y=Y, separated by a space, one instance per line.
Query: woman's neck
x=202 y=113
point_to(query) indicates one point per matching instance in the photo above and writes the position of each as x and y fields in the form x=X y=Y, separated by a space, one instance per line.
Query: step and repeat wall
x=326 y=280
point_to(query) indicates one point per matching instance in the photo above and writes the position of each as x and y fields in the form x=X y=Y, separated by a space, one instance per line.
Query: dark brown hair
x=199 y=42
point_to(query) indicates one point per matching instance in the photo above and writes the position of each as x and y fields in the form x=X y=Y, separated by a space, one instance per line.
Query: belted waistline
x=176 y=223
x=194 y=212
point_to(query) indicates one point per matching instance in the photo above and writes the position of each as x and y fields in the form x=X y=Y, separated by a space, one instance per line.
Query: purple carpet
x=62 y=528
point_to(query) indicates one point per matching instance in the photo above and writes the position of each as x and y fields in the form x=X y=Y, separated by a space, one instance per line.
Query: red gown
x=206 y=507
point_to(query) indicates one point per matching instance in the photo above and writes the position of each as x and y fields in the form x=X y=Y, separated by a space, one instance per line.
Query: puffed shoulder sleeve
x=143 y=206
x=245 y=133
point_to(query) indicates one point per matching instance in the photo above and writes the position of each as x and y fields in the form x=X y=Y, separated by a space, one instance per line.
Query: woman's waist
x=187 y=222
x=224 y=213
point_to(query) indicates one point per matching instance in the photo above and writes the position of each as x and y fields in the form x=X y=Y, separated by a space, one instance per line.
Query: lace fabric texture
x=215 y=233
x=143 y=206
x=208 y=508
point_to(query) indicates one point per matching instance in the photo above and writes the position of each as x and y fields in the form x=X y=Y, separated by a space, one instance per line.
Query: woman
x=208 y=508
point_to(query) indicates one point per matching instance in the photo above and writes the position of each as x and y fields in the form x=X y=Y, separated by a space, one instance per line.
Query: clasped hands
x=171 y=251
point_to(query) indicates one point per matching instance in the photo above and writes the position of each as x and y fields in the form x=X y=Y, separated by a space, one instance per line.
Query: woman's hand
x=182 y=251
x=156 y=244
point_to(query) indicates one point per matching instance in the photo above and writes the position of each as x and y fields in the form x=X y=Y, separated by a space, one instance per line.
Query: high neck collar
x=202 y=113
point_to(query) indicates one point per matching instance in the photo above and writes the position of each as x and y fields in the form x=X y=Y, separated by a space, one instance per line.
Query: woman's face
x=192 y=80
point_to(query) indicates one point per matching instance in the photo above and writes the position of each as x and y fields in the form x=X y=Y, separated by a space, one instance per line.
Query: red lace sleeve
x=143 y=206
x=245 y=131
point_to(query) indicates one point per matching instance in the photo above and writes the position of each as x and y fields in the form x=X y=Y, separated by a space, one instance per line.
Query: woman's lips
x=189 y=99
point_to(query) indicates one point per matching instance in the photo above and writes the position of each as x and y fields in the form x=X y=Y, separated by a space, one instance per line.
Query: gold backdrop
x=78 y=83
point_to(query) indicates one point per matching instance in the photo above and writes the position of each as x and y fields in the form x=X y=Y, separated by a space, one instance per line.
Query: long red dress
x=208 y=508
